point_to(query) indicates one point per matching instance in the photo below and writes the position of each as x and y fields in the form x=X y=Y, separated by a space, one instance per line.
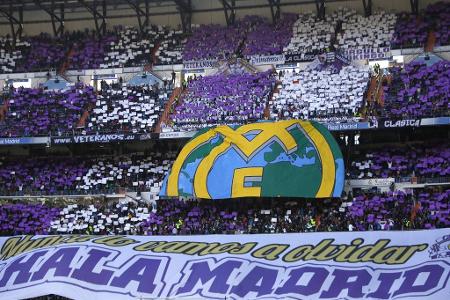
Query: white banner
x=177 y=134
x=373 y=182
x=267 y=60
x=200 y=64
x=337 y=265
x=366 y=53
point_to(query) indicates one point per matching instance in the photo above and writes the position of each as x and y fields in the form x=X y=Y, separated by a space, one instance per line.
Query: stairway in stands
x=380 y=94
x=375 y=92
x=276 y=90
x=82 y=122
x=149 y=67
x=372 y=89
x=431 y=42
x=4 y=110
x=165 y=115
x=155 y=49
x=66 y=64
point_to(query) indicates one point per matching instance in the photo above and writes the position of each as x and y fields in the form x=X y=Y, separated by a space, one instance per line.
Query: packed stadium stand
x=437 y=17
x=43 y=52
x=83 y=174
x=325 y=92
x=223 y=99
x=365 y=211
x=269 y=39
x=36 y=112
x=127 y=109
x=410 y=32
x=361 y=32
x=311 y=35
x=417 y=90
x=426 y=161
x=134 y=48
x=224 y=149
x=213 y=41
x=170 y=49
x=10 y=56
x=130 y=48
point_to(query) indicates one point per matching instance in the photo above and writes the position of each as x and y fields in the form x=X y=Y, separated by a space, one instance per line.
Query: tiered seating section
x=327 y=92
x=410 y=32
x=366 y=211
x=223 y=99
x=55 y=175
x=127 y=109
x=360 y=32
x=312 y=35
x=134 y=48
x=131 y=48
x=121 y=47
x=399 y=211
x=90 y=52
x=44 y=52
x=418 y=90
x=171 y=45
x=116 y=109
x=250 y=36
x=266 y=38
x=10 y=55
x=423 y=161
x=83 y=175
x=438 y=16
x=37 y=112
x=137 y=172
x=424 y=208
x=213 y=41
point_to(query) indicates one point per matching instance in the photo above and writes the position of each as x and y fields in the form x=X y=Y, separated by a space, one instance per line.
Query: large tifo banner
x=267 y=159
x=345 y=265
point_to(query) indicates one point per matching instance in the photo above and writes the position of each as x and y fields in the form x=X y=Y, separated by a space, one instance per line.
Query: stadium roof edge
x=173 y=7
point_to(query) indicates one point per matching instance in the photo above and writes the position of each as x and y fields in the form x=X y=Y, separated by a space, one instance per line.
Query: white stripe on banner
x=345 y=265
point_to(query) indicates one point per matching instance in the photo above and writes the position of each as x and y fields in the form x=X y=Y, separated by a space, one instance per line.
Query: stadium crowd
x=329 y=91
x=127 y=108
x=410 y=32
x=359 y=32
x=9 y=55
x=417 y=90
x=425 y=161
x=269 y=39
x=119 y=47
x=83 y=174
x=223 y=99
x=36 y=112
x=311 y=35
x=303 y=35
x=437 y=15
x=365 y=211
x=116 y=108
x=236 y=94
